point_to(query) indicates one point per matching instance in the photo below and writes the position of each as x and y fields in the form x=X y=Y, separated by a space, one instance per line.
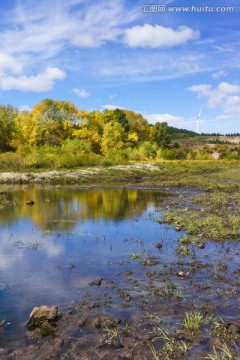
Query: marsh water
x=50 y=252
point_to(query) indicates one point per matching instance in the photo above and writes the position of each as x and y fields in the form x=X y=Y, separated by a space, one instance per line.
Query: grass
x=210 y=175
x=223 y=353
x=220 y=226
x=193 y=321
x=135 y=256
x=171 y=345
x=3 y=321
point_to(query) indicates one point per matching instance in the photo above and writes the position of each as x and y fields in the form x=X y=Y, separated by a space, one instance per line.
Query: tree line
x=52 y=123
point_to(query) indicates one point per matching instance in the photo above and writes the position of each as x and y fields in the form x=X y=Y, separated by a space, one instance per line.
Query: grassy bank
x=209 y=175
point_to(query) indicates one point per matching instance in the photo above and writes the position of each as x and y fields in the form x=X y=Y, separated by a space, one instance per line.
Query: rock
x=30 y=202
x=96 y=282
x=150 y=261
x=179 y=227
x=158 y=245
x=124 y=295
x=42 y=315
x=201 y=246
x=183 y=274
x=105 y=322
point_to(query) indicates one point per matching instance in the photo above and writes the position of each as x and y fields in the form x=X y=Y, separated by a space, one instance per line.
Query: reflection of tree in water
x=63 y=208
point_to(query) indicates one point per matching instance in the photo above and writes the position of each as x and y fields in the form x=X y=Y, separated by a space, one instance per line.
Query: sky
x=165 y=59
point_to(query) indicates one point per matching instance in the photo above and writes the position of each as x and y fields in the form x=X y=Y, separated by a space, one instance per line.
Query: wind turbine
x=198 y=119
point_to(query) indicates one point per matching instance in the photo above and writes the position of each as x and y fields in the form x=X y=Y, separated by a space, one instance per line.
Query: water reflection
x=51 y=250
x=62 y=208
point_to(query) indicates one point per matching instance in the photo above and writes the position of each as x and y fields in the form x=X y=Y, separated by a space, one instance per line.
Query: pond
x=51 y=252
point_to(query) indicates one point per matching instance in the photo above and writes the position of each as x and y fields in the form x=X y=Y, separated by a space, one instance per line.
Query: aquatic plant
x=224 y=352
x=135 y=256
x=193 y=321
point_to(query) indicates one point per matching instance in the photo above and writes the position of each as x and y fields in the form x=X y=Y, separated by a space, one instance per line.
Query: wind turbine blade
x=200 y=112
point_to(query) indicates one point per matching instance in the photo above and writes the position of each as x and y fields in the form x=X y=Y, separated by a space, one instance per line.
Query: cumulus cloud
x=169 y=118
x=111 y=107
x=82 y=93
x=223 y=96
x=149 y=36
x=39 y=83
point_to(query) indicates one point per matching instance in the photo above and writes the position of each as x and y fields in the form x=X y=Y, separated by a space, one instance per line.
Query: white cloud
x=202 y=89
x=224 y=117
x=8 y=63
x=111 y=107
x=82 y=93
x=227 y=88
x=24 y=108
x=34 y=32
x=172 y=120
x=219 y=74
x=41 y=82
x=149 y=36
x=223 y=97
x=46 y=30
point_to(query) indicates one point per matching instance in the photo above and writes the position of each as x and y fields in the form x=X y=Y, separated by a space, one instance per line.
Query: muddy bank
x=145 y=318
x=201 y=174
x=80 y=176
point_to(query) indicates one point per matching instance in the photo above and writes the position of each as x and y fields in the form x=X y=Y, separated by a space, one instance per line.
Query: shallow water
x=51 y=251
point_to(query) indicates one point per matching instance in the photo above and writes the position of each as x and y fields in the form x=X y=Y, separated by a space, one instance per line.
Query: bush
x=167 y=154
x=136 y=155
x=11 y=160
x=114 y=157
x=203 y=155
x=76 y=146
x=230 y=155
x=148 y=150
x=69 y=160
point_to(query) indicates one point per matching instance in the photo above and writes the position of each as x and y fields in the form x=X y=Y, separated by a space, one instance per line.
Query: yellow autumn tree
x=90 y=128
x=113 y=135
x=137 y=125
x=24 y=134
x=54 y=120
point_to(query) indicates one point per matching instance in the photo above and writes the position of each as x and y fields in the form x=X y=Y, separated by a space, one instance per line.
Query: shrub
x=148 y=150
x=11 y=160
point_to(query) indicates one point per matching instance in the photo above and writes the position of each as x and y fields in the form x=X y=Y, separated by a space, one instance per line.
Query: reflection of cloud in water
x=53 y=249
x=16 y=247
x=82 y=283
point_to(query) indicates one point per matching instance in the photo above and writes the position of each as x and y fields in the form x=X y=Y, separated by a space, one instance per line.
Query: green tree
x=159 y=133
x=8 y=115
x=137 y=125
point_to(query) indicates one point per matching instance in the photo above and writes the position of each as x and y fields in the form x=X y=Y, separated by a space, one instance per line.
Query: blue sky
x=164 y=63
